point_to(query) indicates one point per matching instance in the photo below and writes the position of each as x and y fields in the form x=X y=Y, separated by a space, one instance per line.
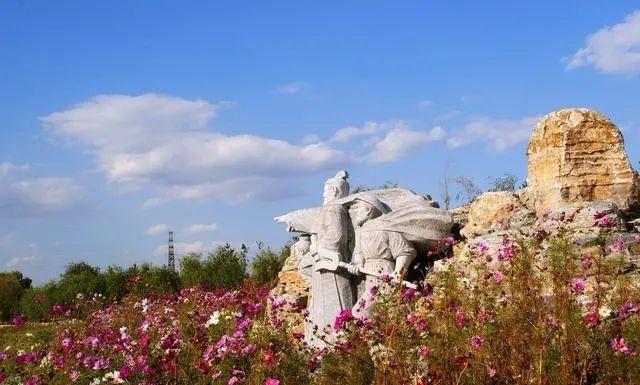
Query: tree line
x=222 y=268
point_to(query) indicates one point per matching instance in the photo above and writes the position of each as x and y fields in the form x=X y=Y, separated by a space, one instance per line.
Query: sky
x=122 y=120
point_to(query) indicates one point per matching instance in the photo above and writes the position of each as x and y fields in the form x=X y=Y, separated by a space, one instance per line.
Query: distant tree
x=11 y=290
x=467 y=189
x=225 y=267
x=79 y=278
x=36 y=302
x=267 y=264
x=505 y=183
x=115 y=283
x=192 y=271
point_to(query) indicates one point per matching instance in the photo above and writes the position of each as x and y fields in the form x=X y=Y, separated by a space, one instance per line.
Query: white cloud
x=8 y=167
x=201 y=228
x=401 y=141
x=21 y=261
x=498 y=133
x=345 y=134
x=612 y=49
x=310 y=139
x=163 y=142
x=39 y=196
x=157 y=229
x=423 y=104
x=293 y=88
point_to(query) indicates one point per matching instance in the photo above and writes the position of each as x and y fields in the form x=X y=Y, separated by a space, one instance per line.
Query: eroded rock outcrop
x=495 y=211
x=577 y=155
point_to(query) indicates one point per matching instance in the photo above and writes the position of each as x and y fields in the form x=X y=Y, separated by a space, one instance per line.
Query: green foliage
x=226 y=267
x=223 y=268
x=11 y=290
x=36 y=302
x=267 y=264
x=115 y=283
x=79 y=278
x=505 y=183
x=192 y=272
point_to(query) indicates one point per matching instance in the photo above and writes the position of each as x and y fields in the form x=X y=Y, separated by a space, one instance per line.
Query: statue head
x=336 y=187
x=366 y=208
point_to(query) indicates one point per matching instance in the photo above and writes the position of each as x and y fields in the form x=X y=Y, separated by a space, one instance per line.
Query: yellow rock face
x=492 y=211
x=577 y=155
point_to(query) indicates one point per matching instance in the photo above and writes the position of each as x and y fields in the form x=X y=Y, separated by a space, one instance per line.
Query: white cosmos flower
x=214 y=319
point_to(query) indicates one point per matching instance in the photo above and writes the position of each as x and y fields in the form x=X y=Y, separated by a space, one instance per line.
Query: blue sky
x=122 y=119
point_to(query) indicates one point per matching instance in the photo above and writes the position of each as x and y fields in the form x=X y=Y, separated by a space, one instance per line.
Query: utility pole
x=171 y=257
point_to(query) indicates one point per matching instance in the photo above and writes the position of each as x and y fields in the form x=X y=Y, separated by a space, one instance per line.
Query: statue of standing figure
x=361 y=237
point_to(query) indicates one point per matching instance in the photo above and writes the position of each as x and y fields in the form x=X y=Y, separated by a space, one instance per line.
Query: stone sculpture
x=355 y=239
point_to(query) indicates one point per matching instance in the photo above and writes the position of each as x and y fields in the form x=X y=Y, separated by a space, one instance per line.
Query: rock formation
x=577 y=155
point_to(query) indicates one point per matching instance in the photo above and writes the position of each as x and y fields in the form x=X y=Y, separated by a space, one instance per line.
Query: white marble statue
x=391 y=226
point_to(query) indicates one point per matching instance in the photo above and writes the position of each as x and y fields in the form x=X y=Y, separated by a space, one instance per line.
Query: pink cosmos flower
x=507 y=251
x=497 y=276
x=342 y=319
x=477 y=341
x=3 y=377
x=482 y=247
x=424 y=351
x=637 y=239
x=605 y=223
x=461 y=320
x=627 y=309
x=18 y=320
x=599 y=214
x=270 y=358
x=620 y=345
x=74 y=375
x=618 y=245
x=271 y=381
x=579 y=285
x=491 y=371
x=591 y=319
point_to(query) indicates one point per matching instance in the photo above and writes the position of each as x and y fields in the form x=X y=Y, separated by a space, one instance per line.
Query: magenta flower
x=579 y=285
x=424 y=351
x=605 y=222
x=3 y=377
x=637 y=239
x=620 y=345
x=271 y=381
x=477 y=341
x=591 y=319
x=34 y=380
x=497 y=276
x=618 y=245
x=342 y=319
x=18 y=320
x=460 y=320
x=507 y=251
x=627 y=309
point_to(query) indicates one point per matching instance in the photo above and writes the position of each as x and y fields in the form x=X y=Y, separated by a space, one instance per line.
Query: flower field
x=574 y=322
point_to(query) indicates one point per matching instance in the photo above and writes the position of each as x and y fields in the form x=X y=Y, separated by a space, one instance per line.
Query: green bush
x=11 y=290
x=38 y=301
x=223 y=268
x=192 y=270
x=267 y=264
x=79 y=278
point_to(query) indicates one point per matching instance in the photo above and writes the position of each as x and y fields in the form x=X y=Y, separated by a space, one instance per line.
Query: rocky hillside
x=580 y=182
